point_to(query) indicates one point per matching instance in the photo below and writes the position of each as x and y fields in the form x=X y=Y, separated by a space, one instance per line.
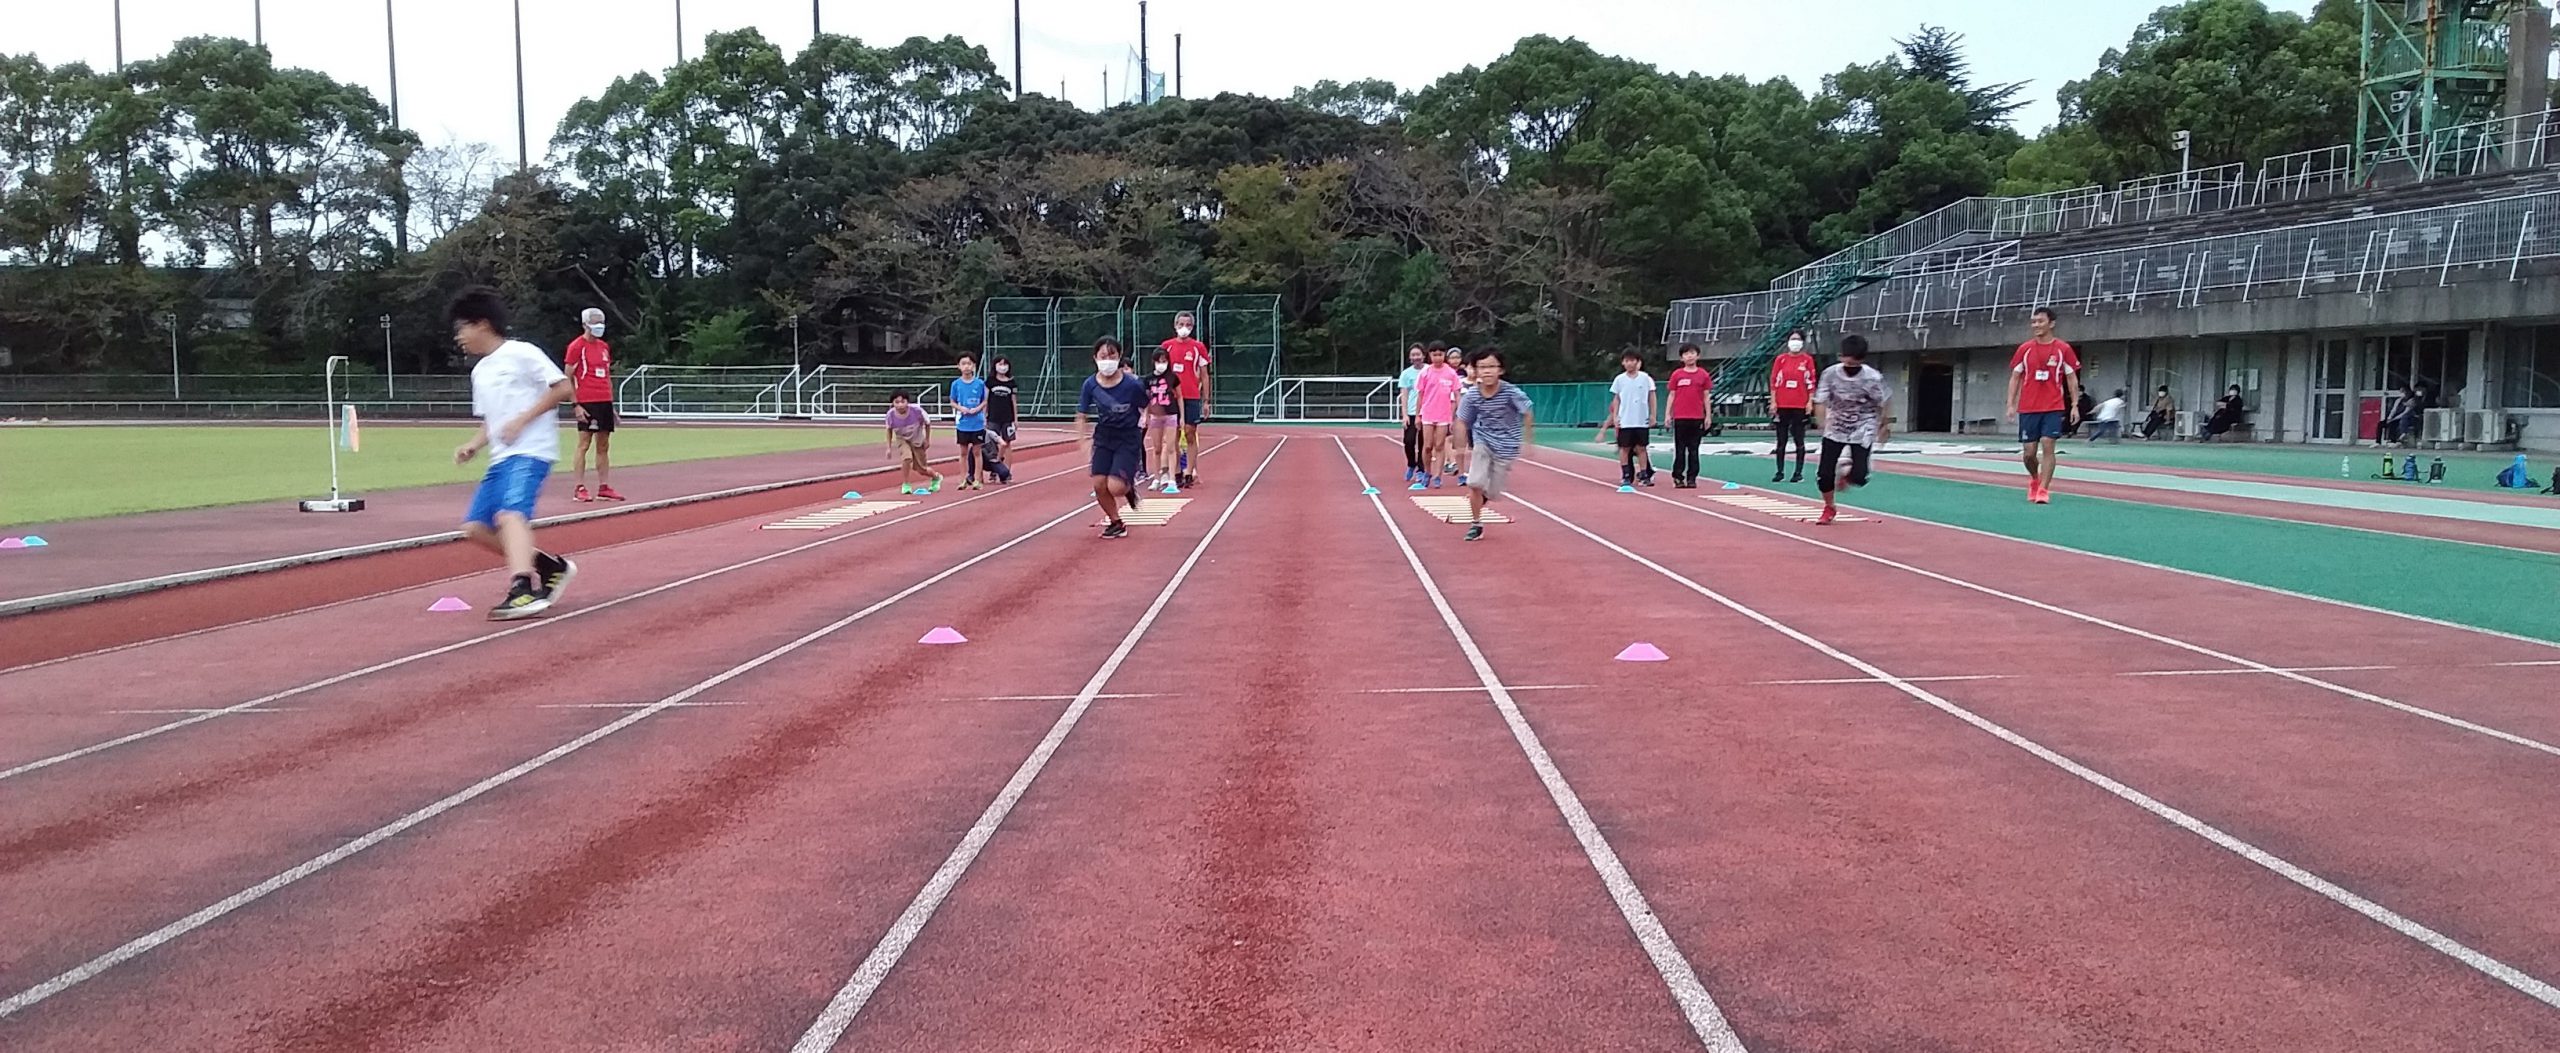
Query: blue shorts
x=1193 y=410
x=2034 y=426
x=1120 y=462
x=510 y=486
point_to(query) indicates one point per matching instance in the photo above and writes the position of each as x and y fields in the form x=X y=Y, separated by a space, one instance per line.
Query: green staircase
x=1747 y=374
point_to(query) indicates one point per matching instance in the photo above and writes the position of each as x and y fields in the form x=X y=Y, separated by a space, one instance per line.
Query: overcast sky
x=457 y=79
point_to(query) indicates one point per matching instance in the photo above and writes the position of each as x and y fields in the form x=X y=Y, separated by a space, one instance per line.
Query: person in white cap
x=590 y=362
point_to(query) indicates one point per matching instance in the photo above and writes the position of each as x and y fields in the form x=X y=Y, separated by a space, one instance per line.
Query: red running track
x=1289 y=815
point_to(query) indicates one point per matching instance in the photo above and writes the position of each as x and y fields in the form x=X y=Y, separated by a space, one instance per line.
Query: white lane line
x=866 y=979
x=1871 y=680
x=2443 y=944
x=177 y=712
x=2260 y=672
x=2112 y=558
x=2220 y=656
x=579 y=612
x=1705 y=1019
x=144 y=944
x=1053 y=698
x=636 y=705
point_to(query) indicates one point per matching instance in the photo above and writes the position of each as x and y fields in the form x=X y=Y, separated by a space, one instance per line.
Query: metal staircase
x=1747 y=374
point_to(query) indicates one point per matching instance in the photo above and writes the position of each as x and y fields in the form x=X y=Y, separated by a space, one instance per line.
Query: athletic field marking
x=1870 y=680
x=2220 y=656
x=1795 y=510
x=837 y=516
x=1052 y=698
x=1452 y=509
x=190 y=712
x=866 y=979
x=2132 y=562
x=1705 y=1019
x=144 y=944
x=2259 y=672
x=555 y=619
x=635 y=705
x=1154 y=511
x=2443 y=944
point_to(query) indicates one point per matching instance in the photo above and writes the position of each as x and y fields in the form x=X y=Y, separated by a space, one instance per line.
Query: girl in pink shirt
x=1436 y=404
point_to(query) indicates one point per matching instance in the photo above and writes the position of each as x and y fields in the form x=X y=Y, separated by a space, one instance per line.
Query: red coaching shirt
x=1689 y=388
x=2040 y=368
x=1190 y=362
x=1791 y=380
x=590 y=363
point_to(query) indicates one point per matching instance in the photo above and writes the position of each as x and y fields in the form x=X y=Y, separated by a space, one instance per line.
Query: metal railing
x=1361 y=399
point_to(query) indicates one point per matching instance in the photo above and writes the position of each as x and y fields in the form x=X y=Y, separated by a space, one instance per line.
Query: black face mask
x=1851 y=368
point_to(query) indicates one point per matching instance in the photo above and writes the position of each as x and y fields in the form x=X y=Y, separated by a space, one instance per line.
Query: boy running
x=1494 y=421
x=969 y=423
x=1111 y=404
x=1002 y=416
x=1631 y=409
x=1850 y=398
x=1791 y=380
x=1164 y=426
x=910 y=433
x=1406 y=396
x=516 y=392
x=2044 y=391
x=1692 y=395
x=590 y=363
x=1190 y=360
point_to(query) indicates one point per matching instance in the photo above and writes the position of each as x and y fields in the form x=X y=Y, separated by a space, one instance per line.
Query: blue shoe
x=1435 y=482
x=1418 y=485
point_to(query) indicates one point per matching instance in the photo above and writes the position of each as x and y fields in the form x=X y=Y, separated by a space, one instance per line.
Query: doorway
x=1933 y=397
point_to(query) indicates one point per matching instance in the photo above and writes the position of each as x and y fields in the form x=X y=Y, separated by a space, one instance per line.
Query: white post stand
x=329 y=398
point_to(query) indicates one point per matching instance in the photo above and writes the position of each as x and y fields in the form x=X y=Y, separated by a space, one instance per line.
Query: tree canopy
x=1552 y=199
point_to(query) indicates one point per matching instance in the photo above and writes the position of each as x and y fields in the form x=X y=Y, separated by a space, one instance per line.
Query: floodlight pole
x=799 y=384
x=173 y=354
x=390 y=382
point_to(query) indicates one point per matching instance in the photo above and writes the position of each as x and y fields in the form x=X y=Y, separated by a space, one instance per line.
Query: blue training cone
x=1368 y=491
x=36 y=542
x=853 y=495
x=1626 y=489
x=1733 y=486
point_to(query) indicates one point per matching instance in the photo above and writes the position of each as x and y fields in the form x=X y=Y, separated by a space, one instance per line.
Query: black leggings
x=1412 y=444
x=1791 y=425
x=1831 y=463
x=1685 y=436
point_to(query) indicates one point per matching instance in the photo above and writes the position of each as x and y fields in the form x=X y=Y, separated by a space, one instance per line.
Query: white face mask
x=1109 y=367
x=596 y=330
x=1183 y=331
x=1795 y=345
x=1164 y=367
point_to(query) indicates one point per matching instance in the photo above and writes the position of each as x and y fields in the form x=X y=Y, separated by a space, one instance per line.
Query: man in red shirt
x=2044 y=397
x=1791 y=380
x=1692 y=392
x=590 y=367
x=1191 y=371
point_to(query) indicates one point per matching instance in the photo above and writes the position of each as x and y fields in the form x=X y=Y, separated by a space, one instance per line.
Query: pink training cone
x=449 y=603
x=1643 y=652
x=11 y=542
x=943 y=634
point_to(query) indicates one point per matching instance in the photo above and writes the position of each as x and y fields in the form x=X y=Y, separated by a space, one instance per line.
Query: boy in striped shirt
x=1494 y=423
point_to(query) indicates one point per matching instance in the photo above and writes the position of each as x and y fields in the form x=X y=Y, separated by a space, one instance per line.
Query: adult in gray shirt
x=1850 y=402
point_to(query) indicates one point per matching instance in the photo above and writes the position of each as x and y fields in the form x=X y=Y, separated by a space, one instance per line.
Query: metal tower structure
x=2430 y=67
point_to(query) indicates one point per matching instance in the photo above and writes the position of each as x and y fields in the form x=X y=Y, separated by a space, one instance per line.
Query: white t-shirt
x=2111 y=410
x=1635 y=399
x=505 y=383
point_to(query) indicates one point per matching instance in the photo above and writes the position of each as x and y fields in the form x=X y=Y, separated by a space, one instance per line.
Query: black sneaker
x=1779 y=476
x=1475 y=532
x=1115 y=529
x=524 y=600
x=555 y=571
x=1799 y=476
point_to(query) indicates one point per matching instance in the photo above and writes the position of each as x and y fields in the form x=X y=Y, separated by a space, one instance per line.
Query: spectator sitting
x=2399 y=418
x=2164 y=413
x=2228 y=413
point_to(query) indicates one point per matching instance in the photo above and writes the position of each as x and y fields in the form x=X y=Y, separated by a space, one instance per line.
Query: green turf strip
x=55 y=472
x=2492 y=588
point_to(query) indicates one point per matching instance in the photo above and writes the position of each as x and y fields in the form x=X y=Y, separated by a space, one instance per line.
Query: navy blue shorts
x=2035 y=426
x=1193 y=410
x=1120 y=462
x=510 y=486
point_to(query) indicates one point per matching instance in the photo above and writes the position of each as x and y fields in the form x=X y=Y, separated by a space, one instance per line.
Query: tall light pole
x=1145 y=82
x=172 y=318
x=258 y=22
x=1018 y=86
x=119 y=36
x=679 y=32
x=814 y=28
x=390 y=387
x=400 y=187
x=524 y=156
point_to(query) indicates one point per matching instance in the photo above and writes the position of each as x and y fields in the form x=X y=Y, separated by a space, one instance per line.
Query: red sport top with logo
x=1689 y=388
x=1190 y=361
x=2040 y=368
x=1791 y=380
x=590 y=363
